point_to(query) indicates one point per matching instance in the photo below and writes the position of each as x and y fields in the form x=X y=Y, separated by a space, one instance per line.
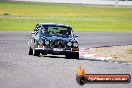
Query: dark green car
x=56 y=39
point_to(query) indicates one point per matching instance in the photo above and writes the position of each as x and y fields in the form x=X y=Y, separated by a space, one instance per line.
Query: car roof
x=54 y=24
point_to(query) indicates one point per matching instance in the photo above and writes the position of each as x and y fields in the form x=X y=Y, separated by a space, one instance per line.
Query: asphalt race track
x=95 y=39
x=19 y=70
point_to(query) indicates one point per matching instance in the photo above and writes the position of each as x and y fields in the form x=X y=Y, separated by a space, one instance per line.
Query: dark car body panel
x=54 y=41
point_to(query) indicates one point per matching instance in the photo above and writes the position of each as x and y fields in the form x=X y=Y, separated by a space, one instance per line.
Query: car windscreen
x=59 y=30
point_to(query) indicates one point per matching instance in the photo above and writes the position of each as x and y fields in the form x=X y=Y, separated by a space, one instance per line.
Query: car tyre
x=68 y=55
x=75 y=55
x=30 y=51
x=44 y=53
x=36 y=53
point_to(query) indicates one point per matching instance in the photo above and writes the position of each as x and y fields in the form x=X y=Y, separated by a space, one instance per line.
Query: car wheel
x=36 y=53
x=30 y=51
x=44 y=53
x=75 y=55
x=68 y=55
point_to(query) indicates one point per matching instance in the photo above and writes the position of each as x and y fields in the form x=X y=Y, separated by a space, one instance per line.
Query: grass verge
x=129 y=51
x=22 y=16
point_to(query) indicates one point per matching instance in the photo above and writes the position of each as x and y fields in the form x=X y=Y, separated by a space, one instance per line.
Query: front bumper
x=62 y=51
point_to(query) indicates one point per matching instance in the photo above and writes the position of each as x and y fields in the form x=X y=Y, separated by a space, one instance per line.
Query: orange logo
x=82 y=77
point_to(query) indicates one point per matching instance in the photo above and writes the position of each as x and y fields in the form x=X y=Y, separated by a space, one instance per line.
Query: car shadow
x=63 y=57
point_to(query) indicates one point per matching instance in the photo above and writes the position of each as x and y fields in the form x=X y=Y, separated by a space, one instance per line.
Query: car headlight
x=75 y=44
x=46 y=42
x=69 y=43
x=40 y=42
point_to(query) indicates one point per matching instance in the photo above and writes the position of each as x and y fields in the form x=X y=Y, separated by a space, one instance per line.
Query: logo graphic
x=82 y=77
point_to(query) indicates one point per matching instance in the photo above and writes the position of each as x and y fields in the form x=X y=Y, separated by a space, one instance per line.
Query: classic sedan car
x=56 y=39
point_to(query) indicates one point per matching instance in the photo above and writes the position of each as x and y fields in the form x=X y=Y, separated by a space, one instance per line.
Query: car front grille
x=57 y=44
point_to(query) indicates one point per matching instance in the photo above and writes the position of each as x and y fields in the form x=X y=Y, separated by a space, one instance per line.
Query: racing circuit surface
x=19 y=70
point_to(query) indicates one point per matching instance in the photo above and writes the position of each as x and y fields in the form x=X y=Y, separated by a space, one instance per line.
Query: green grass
x=129 y=51
x=23 y=16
